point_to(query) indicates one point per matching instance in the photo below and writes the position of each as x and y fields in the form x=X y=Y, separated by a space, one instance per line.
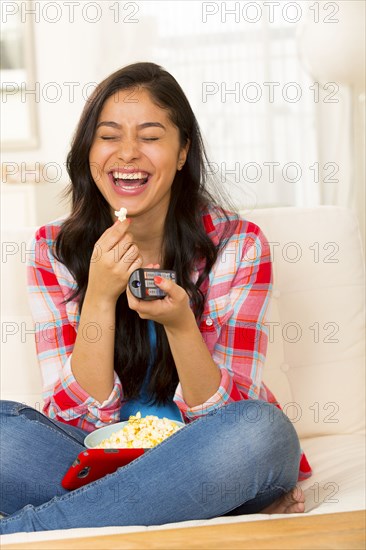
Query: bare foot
x=291 y=503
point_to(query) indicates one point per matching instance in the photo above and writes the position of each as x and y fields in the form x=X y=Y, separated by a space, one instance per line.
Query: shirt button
x=276 y=293
x=209 y=322
x=285 y=367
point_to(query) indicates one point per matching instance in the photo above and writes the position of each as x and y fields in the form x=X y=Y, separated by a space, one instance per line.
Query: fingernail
x=158 y=280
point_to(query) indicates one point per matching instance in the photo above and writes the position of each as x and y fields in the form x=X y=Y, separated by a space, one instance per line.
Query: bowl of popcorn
x=135 y=433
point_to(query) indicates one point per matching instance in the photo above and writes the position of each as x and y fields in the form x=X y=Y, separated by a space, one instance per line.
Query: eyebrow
x=112 y=124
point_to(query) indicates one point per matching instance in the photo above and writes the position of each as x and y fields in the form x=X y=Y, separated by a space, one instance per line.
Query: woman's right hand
x=115 y=257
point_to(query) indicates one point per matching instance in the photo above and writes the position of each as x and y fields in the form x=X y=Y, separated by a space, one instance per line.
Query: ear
x=182 y=157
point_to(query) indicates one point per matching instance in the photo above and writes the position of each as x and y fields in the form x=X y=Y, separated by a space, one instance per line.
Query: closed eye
x=150 y=139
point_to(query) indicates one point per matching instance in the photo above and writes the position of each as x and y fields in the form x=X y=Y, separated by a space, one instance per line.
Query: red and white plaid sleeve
x=233 y=324
x=49 y=283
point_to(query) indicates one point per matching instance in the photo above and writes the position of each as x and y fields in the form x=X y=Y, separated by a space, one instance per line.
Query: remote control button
x=152 y=292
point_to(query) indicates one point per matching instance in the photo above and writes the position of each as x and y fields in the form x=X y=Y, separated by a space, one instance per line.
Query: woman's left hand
x=173 y=311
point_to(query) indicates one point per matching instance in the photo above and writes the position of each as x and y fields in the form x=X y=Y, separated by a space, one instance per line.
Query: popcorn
x=121 y=214
x=140 y=433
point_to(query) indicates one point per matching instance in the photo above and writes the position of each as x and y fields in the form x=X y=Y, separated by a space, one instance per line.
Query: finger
x=114 y=235
x=141 y=307
x=136 y=264
x=126 y=252
x=152 y=266
x=133 y=302
x=165 y=284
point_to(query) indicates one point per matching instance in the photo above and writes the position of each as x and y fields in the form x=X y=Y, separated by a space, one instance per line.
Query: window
x=252 y=98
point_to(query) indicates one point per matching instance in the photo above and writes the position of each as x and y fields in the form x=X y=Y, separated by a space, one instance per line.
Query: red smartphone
x=93 y=464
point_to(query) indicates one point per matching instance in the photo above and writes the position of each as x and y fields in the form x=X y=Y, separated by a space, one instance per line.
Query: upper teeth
x=130 y=175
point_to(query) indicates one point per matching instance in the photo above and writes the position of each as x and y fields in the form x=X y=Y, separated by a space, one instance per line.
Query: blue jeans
x=237 y=460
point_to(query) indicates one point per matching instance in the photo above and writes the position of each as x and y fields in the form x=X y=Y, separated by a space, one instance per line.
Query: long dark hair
x=185 y=240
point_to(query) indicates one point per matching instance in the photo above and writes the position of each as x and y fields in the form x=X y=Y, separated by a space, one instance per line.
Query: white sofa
x=316 y=356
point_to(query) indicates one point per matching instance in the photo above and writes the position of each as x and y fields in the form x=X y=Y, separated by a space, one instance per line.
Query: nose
x=128 y=150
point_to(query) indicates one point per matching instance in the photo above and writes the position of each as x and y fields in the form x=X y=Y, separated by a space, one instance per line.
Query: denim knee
x=272 y=435
x=10 y=408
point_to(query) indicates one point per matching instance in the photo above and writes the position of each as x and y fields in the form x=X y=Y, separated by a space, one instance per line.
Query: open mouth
x=130 y=180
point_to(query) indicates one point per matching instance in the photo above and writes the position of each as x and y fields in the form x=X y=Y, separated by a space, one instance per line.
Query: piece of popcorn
x=140 y=432
x=121 y=214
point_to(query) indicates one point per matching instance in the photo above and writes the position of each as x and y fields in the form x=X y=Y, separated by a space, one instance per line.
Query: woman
x=197 y=354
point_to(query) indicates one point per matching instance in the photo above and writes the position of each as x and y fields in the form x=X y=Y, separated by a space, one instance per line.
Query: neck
x=148 y=231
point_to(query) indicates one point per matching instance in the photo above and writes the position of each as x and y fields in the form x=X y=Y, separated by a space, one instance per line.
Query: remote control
x=141 y=283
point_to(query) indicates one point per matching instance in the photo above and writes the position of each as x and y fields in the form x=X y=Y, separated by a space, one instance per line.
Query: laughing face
x=135 y=153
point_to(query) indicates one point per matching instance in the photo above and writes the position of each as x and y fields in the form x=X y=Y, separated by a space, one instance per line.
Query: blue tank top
x=143 y=402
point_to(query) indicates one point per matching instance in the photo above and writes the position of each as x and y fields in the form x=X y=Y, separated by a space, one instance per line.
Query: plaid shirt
x=233 y=326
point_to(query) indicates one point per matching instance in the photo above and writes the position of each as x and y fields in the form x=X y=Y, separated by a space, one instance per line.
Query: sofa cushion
x=316 y=354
